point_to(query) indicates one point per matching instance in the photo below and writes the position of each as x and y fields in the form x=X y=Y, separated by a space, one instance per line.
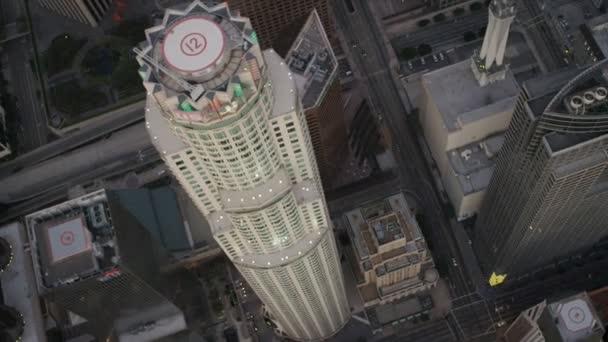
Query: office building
x=547 y=197
x=464 y=109
x=5 y=148
x=20 y=314
x=571 y=319
x=309 y=55
x=89 y=12
x=462 y=124
x=393 y=260
x=91 y=256
x=226 y=118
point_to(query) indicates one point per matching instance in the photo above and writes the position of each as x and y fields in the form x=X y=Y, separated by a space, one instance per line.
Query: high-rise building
x=89 y=12
x=488 y=64
x=91 y=256
x=227 y=120
x=465 y=108
x=392 y=257
x=310 y=58
x=569 y=319
x=548 y=196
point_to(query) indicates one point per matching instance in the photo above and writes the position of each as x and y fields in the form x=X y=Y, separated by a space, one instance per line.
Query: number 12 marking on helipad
x=193 y=44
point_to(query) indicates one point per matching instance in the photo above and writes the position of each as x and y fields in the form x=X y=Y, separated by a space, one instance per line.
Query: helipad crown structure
x=226 y=118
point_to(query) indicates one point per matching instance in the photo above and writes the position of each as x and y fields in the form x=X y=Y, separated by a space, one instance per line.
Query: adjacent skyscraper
x=548 y=196
x=86 y=11
x=226 y=119
x=488 y=64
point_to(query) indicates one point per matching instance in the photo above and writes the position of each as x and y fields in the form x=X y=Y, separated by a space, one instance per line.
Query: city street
x=105 y=125
x=442 y=36
x=371 y=61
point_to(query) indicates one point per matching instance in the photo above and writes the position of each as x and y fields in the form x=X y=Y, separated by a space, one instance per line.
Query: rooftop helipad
x=193 y=44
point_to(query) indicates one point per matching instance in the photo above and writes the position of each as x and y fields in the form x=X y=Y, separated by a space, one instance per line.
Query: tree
x=476 y=6
x=423 y=22
x=408 y=53
x=439 y=18
x=458 y=11
x=424 y=49
x=469 y=36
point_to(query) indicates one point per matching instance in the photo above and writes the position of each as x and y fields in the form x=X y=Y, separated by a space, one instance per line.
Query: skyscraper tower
x=487 y=64
x=226 y=119
x=548 y=196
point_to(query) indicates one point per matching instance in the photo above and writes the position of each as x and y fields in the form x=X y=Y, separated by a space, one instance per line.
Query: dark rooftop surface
x=309 y=56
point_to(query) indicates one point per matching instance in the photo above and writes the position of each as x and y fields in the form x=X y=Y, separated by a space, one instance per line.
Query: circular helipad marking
x=193 y=44
x=66 y=238
x=576 y=315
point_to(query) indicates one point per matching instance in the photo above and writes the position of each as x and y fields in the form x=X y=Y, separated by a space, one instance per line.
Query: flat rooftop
x=312 y=62
x=459 y=98
x=381 y=222
x=575 y=317
x=473 y=164
x=72 y=240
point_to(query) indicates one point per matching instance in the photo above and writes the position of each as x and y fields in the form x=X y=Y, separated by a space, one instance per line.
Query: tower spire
x=487 y=63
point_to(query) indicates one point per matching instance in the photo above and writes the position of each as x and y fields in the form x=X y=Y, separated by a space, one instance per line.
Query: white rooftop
x=575 y=318
x=459 y=98
x=193 y=44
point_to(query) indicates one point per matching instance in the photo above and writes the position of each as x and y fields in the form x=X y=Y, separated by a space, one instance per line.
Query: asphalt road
x=118 y=119
x=120 y=165
x=371 y=60
x=440 y=36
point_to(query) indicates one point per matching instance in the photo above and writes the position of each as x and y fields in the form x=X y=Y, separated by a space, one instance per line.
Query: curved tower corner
x=226 y=119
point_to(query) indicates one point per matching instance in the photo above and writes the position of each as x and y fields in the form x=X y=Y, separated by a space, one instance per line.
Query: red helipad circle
x=193 y=44
x=66 y=238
